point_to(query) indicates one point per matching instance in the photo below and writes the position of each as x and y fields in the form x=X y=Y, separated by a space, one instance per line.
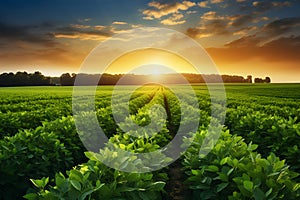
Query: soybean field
x=43 y=155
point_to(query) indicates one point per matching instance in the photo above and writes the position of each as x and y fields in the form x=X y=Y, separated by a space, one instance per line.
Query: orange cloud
x=163 y=9
x=80 y=26
x=245 y=31
x=175 y=19
x=203 y=4
x=217 y=1
x=81 y=36
x=119 y=23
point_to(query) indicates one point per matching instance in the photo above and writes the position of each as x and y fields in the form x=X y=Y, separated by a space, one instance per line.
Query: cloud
x=80 y=26
x=136 y=25
x=245 y=31
x=212 y=24
x=215 y=27
x=40 y=57
x=81 y=36
x=84 y=20
x=148 y=18
x=285 y=27
x=203 y=4
x=267 y=5
x=30 y=34
x=83 y=32
x=119 y=23
x=282 y=26
x=211 y=15
x=35 y=45
x=175 y=19
x=281 y=4
x=191 y=12
x=277 y=41
x=216 y=1
x=164 y=9
x=283 y=49
x=260 y=19
x=245 y=42
x=240 y=20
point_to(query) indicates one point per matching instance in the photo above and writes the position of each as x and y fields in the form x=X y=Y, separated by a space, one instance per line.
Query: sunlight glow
x=150 y=61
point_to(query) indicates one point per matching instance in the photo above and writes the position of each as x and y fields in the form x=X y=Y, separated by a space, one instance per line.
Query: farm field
x=255 y=157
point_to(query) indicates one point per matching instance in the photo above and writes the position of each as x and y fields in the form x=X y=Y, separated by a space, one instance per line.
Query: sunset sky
x=261 y=38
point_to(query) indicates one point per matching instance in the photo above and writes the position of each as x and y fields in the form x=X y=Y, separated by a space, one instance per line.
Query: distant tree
x=258 y=80
x=6 y=79
x=37 y=78
x=55 y=80
x=249 y=79
x=67 y=80
x=23 y=79
x=233 y=79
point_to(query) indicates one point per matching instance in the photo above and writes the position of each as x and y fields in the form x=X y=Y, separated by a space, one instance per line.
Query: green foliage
x=42 y=144
x=273 y=133
x=49 y=148
x=233 y=170
x=93 y=180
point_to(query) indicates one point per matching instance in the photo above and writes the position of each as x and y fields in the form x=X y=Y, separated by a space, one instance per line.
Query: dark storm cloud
x=270 y=32
x=281 y=26
x=46 y=33
x=31 y=34
x=8 y=31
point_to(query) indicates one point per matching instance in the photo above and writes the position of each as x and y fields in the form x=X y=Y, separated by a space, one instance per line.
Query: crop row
x=234 y=170
x=94 y=180
x=272 y=123
x=43 y=151
x=273 y=133
x=31 y=113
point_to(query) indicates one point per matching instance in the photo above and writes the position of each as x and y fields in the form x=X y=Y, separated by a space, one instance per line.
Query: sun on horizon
x=150 y=62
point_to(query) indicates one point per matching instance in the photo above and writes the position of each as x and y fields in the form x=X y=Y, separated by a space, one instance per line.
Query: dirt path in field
x=175 y=187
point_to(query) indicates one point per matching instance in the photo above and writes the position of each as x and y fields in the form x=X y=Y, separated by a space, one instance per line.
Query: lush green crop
x=256 y=157
x=233 y=170
x=53 y=147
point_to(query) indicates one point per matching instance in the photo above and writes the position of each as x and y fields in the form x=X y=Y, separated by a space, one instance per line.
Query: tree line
x=131 y=79
x=260 y=80
x=24 y=79
x=66 y=79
